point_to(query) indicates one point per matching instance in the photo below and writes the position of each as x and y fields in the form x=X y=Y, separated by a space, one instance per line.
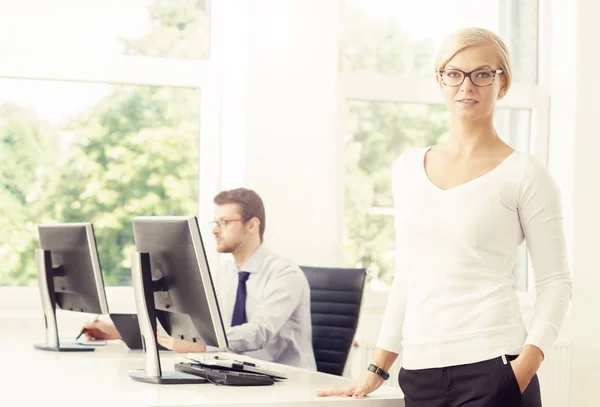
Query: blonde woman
x=462 y=208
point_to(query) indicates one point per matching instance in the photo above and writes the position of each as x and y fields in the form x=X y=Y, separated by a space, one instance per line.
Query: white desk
x=31 y=377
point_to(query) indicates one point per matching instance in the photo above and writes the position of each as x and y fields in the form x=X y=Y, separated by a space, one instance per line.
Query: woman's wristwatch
x=378 y=371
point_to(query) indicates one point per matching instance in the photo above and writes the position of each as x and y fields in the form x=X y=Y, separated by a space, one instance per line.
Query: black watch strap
x=379 y=371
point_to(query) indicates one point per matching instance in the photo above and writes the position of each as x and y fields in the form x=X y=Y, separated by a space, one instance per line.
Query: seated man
x=264 y=299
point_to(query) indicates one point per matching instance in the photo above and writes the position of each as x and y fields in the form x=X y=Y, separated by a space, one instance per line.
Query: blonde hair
x=475 y=37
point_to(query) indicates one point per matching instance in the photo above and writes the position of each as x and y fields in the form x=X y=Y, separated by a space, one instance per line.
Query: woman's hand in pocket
x=521 y=374
x=526 y=365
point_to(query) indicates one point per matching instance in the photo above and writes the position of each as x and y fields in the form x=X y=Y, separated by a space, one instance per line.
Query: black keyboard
x=224 y=377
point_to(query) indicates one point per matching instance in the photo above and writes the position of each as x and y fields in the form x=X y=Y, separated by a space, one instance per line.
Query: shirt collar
x=255 y=262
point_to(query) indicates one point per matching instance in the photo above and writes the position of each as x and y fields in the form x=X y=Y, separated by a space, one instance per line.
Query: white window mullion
x=545 y=44
x=130 y=70
x=540 y=128
x=342 y=134
x=525 y=96
x=385 y=88
x=209 y=175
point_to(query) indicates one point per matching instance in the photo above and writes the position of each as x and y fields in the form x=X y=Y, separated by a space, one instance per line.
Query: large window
x=85 y=137
x=390 y=103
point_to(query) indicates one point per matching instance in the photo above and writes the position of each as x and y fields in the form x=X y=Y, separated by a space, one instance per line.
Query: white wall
x=573 y=159
x=278 y=113
x=586 y=205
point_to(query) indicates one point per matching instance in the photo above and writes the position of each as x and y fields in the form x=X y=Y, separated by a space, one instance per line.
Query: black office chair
x=335 y=297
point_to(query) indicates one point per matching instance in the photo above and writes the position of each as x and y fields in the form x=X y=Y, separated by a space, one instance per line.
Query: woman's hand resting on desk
x=179 y=345
x=364 y=385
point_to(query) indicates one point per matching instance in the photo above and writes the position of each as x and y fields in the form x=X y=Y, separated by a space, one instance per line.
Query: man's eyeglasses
x=479 y=77
x=222 y=223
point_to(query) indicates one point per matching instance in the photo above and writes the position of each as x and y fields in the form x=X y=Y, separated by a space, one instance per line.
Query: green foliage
x=27 y=148
x=133 y=155
x=380 y=46
x=179 y=30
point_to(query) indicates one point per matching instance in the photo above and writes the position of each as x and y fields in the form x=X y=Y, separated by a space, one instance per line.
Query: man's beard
x=229 y=248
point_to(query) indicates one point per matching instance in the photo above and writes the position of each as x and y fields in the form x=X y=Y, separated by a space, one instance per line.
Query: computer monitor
x=172 y=283
x=69 y=277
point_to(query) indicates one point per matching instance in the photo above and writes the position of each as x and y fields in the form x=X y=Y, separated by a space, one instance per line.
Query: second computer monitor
x=184 y=293
x=69 y=277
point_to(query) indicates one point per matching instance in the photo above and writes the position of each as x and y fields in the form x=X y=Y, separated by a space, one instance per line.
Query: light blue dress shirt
x=277 y=308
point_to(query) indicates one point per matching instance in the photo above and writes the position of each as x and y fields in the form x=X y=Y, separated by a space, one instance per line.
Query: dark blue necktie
x=239 y=309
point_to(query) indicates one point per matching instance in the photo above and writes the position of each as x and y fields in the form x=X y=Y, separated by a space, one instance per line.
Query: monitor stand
x=45 y=274
x=143 y=290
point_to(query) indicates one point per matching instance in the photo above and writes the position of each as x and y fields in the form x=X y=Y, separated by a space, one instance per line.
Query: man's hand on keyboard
x=179 y=345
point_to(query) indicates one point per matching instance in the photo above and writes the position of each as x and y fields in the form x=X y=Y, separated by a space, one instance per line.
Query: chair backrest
x=335 y=296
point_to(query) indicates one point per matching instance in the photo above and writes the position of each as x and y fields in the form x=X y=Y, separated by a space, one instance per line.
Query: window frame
x=204 y=75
